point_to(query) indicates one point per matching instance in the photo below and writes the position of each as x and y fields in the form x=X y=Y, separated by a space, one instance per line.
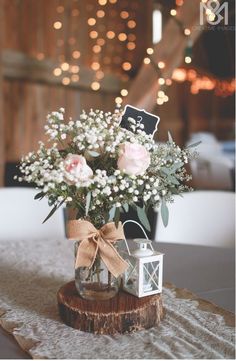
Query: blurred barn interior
x=91 y=54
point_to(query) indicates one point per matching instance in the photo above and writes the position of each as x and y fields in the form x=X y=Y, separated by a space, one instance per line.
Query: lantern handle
x=145 y=234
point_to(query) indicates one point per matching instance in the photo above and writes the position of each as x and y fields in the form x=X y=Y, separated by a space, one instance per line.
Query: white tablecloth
x=31 y=273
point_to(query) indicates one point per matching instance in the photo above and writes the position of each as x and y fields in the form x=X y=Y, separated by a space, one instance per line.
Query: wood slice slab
x=121 y=314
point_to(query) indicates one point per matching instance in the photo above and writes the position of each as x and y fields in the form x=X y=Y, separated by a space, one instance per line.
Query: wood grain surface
x=122 y=314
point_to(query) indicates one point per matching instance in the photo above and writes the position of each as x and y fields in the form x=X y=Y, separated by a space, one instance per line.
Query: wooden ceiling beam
x=170 y=50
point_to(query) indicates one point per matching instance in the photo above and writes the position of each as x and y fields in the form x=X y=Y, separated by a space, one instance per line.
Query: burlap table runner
x=31 y=273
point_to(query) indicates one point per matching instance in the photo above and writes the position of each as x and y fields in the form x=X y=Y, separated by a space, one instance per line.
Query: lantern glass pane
x=131 y=275
x=151 y=276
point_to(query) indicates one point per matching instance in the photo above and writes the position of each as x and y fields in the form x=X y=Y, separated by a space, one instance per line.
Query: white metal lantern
x=144 y=277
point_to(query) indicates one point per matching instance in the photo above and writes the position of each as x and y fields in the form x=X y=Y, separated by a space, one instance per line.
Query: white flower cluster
x=90 y=146
x=44 y=168
x=96 y=130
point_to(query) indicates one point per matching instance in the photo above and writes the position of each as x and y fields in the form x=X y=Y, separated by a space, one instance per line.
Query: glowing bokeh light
x=76 y=54
x=95 y=85
x=66 y=81
x=126 y=66
x=57 y=25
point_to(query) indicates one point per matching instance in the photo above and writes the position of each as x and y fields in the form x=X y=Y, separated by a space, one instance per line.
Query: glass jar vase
x=95 y=283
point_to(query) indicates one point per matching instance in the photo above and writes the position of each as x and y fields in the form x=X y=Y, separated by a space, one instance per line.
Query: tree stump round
x=121 y=314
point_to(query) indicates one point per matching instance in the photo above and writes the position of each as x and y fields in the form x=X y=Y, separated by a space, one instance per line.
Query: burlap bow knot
x=97 y=241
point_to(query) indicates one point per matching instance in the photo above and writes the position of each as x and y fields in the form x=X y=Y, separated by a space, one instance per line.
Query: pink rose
x=77 y=169
x=134 y=159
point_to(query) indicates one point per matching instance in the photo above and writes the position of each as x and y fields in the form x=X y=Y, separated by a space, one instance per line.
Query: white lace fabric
x=31 y=272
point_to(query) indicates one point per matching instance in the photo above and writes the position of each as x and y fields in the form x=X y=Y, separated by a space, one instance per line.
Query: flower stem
x=109 y=279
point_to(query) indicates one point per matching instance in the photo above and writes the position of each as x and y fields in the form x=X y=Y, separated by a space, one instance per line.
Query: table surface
x=206 y=271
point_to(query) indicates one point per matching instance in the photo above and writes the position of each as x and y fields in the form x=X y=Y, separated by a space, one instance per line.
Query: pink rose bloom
x=134 y=158
x=77 y=169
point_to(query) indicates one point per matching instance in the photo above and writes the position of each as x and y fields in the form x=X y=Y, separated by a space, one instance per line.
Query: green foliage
x=117 y=217
x=194 y=145
x=126 y=207
x=39 y=195
x=164 y=213
x=112 y=213
x=93 y=153
x=170 y=137
x=97 y=137
x=143 y=218
x=53 y=210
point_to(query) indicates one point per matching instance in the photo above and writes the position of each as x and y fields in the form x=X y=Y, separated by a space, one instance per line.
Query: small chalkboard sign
x=149 y=121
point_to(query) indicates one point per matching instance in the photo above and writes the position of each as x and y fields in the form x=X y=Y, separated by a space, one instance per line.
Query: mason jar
x=97 y=282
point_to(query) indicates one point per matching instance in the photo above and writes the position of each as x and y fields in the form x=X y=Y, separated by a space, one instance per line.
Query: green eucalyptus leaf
x=51 y=202
x=117 y=217
x=166 y=170
x=50 y=213
x=39 y=195
x=176 y=166
x=193 y=145
x=53 y=210
x=88 y=201
x=174 y=190
x=164 y=213
x=173 y=180
x=106 y=217
x=126 y=207
x=170 y=137
x=134 y=206
x=143 y=218
x=112 y=213
x=93 y=153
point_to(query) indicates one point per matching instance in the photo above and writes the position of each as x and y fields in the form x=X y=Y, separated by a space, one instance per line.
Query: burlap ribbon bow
x=97 y=241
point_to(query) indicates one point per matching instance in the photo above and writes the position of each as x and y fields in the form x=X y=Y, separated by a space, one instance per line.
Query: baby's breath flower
x=97 y=136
